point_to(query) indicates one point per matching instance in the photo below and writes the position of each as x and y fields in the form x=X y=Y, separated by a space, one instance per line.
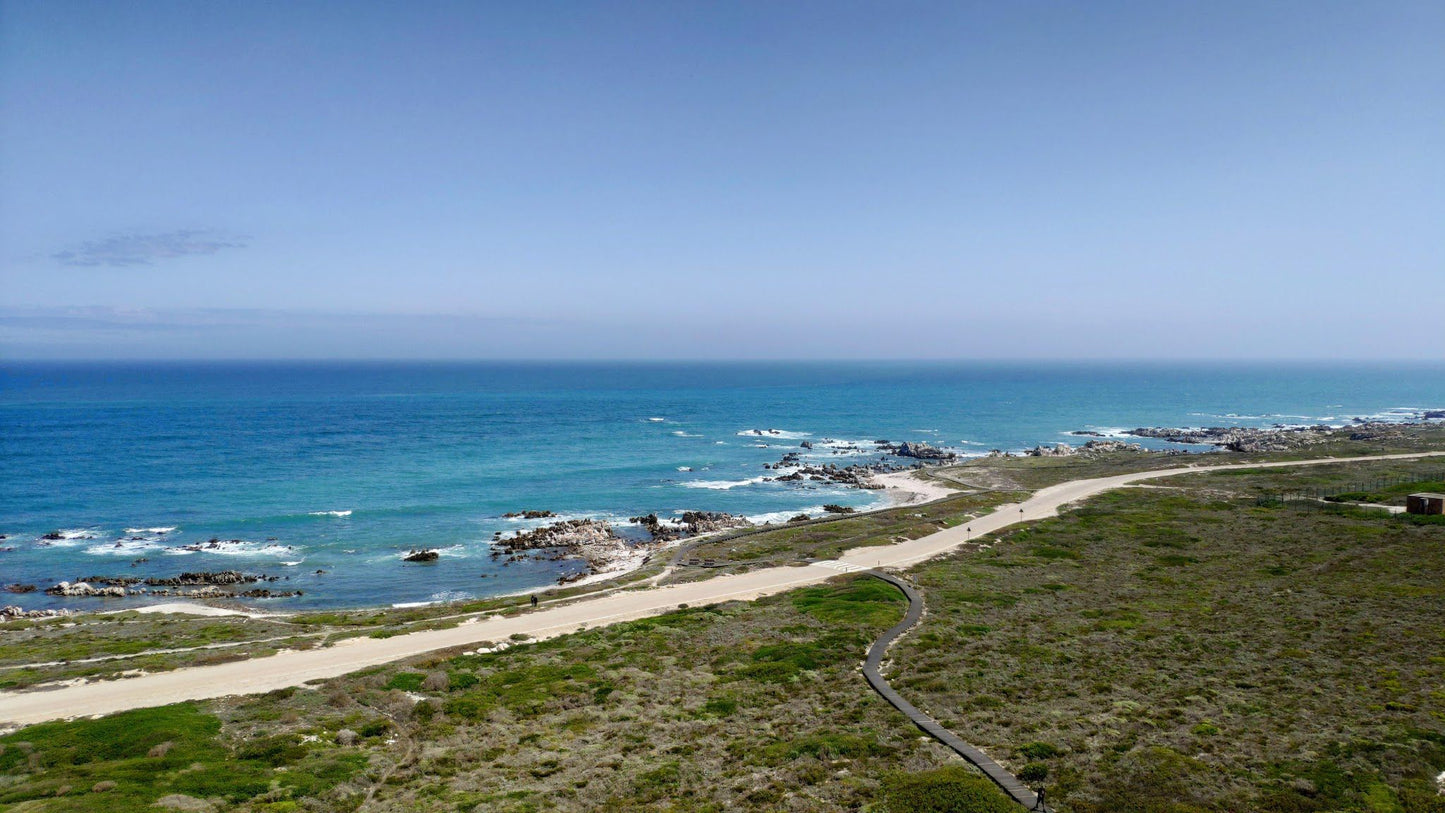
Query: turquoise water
x=344 y=467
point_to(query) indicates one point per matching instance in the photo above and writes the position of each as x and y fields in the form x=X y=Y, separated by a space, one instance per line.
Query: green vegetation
x=826 y=539
x=945 y=790
x=1391 y=494
x=127 y=761
x=1199 y=651
x=732 y=706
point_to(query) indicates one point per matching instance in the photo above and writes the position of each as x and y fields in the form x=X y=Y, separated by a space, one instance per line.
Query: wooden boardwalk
x=1010 y=784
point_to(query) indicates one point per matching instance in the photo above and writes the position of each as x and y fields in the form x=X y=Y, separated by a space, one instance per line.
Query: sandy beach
x=907 y=488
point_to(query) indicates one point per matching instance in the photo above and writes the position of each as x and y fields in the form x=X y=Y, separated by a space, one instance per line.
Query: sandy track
x=295 y=668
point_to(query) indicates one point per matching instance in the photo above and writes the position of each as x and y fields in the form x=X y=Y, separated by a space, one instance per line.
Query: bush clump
x=952 y=789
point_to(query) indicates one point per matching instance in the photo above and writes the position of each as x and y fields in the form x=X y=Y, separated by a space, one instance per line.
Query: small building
x=1425 y=504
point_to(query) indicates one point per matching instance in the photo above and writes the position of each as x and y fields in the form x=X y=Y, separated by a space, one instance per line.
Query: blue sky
x=706 y=180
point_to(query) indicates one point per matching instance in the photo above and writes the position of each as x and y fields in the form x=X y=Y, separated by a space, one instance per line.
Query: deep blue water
x=430 y=455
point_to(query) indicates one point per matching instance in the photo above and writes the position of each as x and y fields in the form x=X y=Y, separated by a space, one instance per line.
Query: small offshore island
x=1167 y=637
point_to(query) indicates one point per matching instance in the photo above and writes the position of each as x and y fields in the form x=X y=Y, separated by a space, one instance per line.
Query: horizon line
x=719 y=360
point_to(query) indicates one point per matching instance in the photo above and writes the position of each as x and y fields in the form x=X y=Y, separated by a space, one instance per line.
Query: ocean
x=323 y=475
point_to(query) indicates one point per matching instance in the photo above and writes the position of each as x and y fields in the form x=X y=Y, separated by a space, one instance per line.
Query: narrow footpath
x=872 y=669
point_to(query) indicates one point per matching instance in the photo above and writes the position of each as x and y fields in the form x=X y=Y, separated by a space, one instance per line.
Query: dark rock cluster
x=691 y=523
x=1093 y=448
x=566 y=534
x=202 y=584
x=921 y=451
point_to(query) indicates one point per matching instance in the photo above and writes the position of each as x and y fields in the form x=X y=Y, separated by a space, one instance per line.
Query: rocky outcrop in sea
x=690 y=523
x=203 y=584
x=1093 y=448
x=590 y=540
x=921 y=451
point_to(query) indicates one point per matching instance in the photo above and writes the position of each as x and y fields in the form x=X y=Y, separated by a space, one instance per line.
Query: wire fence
x=1357 y=491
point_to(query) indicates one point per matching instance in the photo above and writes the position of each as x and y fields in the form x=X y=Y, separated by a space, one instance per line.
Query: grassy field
x=826 y=540
x=735 y=706
x=1189 y=649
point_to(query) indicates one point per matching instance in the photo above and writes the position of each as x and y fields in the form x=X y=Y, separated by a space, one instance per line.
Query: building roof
x=1429 y=496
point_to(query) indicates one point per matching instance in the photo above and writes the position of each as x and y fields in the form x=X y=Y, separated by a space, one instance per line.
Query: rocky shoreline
x=856 y=475
x=591 y=541
x=691 y=523
x=1093 y=448
x=594 y=543
x=204 y=584
x=1279 y=438
x=602 y=551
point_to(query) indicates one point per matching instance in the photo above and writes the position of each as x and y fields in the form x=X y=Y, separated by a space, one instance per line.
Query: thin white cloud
x=125 y=250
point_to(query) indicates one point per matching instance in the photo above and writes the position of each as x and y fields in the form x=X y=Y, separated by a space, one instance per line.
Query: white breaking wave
x=723 y=485
x=782 y=434
x=681 y=434
x=656 y=420
x=329 y=513
x=127 y=547
x=684 y=468
x=235 y=547
x=69 y=539
x=248 y=550
x=149 y=530
x=1110 y=431
x=540 y=521
x=813 y=512
x=831 y=447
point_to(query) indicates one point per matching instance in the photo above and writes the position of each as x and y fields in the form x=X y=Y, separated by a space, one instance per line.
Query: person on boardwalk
x=534 y=601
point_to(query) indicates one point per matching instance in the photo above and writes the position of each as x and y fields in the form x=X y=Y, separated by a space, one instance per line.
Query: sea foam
x=723 y=485
x=781 y=434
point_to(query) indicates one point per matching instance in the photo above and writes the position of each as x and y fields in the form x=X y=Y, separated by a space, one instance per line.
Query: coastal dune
x=296 y=668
